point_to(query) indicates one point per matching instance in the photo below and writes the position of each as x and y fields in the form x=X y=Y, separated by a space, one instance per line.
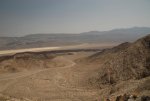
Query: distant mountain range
x=58 y=39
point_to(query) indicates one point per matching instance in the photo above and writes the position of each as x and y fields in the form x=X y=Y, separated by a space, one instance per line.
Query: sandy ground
x=63 y=83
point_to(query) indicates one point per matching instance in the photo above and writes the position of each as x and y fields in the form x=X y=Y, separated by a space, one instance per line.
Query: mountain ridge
x=46 y=40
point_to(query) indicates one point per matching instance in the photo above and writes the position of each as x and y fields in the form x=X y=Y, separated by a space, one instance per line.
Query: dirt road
x=20 y=75
x=52 y=84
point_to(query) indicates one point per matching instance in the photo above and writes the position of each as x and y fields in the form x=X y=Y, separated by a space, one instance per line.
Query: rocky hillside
x=124 y=62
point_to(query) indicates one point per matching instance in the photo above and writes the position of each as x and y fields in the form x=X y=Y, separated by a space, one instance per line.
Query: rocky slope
x=124 y=62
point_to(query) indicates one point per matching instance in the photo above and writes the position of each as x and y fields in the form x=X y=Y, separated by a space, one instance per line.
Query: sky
x=22 y=17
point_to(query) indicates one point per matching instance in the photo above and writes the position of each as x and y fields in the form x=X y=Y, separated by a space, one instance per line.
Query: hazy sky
x=21 y=17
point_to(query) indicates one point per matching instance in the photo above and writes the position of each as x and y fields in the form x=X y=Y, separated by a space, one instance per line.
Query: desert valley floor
x=76 y=75
x=60 y=82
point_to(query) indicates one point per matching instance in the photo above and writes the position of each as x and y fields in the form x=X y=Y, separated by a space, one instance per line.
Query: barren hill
x=126 y=61
x=31 y=61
